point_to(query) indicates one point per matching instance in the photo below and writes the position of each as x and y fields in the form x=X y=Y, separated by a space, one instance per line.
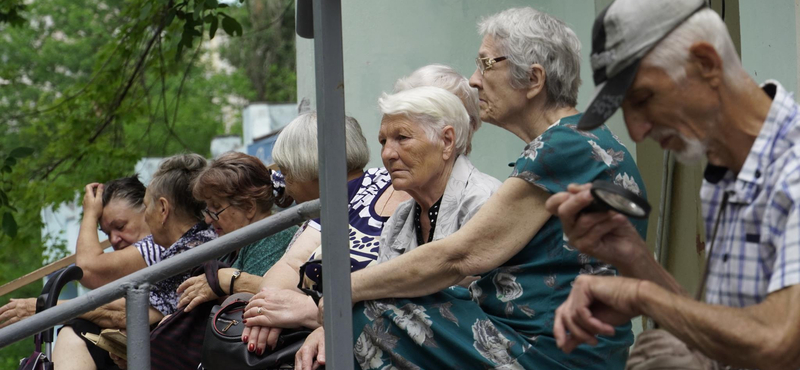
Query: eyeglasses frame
x=485 y=64
x=214 y=215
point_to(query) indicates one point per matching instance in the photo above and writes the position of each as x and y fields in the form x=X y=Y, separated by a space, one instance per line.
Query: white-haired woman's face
x=412 y=159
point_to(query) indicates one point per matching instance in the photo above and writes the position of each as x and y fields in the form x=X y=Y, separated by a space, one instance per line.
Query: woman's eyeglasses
x=315 y=294
x=485 y=64
x=215 y=215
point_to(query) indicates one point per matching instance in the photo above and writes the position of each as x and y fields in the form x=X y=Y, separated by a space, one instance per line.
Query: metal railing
x=327 y=20
x=136 y=285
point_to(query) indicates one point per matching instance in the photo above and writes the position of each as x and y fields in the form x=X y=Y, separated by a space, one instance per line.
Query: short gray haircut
x=672 y=53
x=174 y=181
x=295 y=151
x=433 y=108
x=527 y=36
x=446 y=77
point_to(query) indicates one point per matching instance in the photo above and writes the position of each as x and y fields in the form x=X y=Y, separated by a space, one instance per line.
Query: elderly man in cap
x=673 y=69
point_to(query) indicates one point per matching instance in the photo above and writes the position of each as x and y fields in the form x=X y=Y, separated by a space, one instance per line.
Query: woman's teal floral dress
x=506 y=322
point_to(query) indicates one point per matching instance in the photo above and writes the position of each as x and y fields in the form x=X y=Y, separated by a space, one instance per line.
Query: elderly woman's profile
x=405 y=315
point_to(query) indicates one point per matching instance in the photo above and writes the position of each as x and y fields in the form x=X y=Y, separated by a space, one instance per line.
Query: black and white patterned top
x=151 y=252
x=163 y=295
x=433 y=214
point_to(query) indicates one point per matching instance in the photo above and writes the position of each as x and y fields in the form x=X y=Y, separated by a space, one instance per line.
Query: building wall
x=384 y=40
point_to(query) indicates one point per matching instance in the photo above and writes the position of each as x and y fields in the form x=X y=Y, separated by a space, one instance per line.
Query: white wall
x=384 y=40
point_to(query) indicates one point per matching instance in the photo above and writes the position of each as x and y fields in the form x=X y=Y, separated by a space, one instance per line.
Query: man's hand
x=16 y=310
x=607 y=236
x=312 y=354
x=595 y=306
x=93 y=201
x=195 y=291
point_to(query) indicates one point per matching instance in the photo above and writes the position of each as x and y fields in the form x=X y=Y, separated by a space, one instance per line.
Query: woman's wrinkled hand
x=16 y=310
x=93 y=201
x=195 y=291
x=312 y=354
x=271 y=310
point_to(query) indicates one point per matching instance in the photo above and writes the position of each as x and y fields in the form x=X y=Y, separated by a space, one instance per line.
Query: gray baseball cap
x=622 y=35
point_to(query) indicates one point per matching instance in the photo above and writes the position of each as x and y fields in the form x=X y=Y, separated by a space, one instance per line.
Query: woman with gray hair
x=527 y=81
x=440 y=75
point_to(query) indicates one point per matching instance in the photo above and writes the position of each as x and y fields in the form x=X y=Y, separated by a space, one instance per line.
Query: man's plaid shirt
x=757 y=246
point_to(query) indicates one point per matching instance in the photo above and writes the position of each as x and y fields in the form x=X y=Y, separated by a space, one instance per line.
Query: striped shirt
x=757 y=244
x=151 y=252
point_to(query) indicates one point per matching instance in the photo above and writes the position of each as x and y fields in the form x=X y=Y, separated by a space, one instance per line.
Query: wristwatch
x=233 y=278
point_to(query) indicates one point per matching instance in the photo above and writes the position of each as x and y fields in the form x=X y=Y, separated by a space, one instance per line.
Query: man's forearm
x=752 y=337
x=644 y=266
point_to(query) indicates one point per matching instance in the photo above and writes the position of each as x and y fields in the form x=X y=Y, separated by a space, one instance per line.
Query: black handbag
x=223 y=347
x=176 y=343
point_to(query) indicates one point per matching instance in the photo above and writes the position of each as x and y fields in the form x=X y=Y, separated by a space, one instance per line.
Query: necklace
x=387 y=202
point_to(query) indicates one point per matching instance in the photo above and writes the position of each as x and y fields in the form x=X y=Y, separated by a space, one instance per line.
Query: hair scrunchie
x=282 y=199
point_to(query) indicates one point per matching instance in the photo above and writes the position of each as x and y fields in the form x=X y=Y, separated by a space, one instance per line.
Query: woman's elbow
x=91 y=279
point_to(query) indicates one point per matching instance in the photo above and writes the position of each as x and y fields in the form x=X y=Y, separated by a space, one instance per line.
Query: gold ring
x=258 y=311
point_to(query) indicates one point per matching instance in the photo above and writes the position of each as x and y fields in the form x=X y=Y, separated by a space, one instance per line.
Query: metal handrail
x=140 y=279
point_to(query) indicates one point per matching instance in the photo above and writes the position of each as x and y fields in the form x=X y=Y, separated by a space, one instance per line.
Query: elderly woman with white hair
x=371 y=200
x=527 y=80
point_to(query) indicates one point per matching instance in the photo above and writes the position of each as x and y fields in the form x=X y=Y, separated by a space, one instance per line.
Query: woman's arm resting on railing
x=285 y=273
x=502 y=227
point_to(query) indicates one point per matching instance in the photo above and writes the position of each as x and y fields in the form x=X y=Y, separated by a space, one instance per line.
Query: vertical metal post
x=137 y=306
x=333 y=183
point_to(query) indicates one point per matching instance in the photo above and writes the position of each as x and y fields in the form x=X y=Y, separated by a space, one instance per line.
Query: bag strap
x=212 y=275
x=230 y=307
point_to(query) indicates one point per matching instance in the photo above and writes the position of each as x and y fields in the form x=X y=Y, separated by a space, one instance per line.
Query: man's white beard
x=693 y=151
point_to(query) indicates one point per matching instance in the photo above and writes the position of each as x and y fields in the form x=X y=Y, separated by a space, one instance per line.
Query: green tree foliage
x=88 y=87
x=266 y=52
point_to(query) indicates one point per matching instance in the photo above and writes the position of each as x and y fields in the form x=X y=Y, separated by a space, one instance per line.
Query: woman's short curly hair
x=239 y=178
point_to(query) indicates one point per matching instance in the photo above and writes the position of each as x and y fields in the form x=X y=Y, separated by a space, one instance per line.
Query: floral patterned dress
x=508 y=323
